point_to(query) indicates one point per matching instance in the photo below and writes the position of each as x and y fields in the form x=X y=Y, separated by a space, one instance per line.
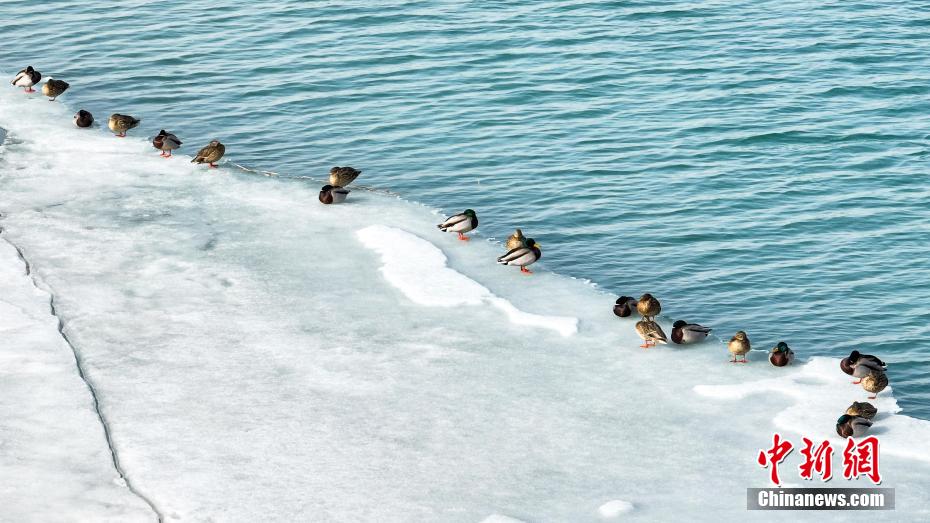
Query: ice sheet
x=256 y=363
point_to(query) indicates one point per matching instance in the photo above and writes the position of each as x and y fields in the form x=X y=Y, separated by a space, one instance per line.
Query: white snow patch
x=822 y=393
x=614 y=508
x=498 y=518
x=418 y=268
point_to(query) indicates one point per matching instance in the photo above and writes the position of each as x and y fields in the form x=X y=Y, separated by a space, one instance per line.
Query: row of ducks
x=521 y=252
x=869 y=369
x=120 y=124
x=524 y=251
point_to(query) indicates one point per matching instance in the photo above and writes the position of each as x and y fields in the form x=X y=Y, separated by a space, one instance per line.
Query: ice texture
x=255 y=363
x=418 y=269
x=54 y=458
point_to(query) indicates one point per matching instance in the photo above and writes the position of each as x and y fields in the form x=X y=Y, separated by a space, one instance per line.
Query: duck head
x=854 y=357
x=781 y=347
x=740 y=335
x=679 y=324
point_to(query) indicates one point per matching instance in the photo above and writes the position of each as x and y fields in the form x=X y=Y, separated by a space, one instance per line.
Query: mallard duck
x=739 y=346
x=650 y=332
x=860 y=365
x=83 y=119
x=166 y=142
x=648 y=307
x=120 y=123
x=342 y=176
x=54 y=88
x=875 y=382
x=522 y=256
x=460 y=223
x=852 y=426
x=26 y=79
x=625 y=306
x=330 y=194
x=516 y=240
x=684 y=333
x=210 y=154
x=781 y=355
x=862 y=409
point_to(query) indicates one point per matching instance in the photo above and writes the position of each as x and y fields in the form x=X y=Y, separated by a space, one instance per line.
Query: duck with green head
x=461 y=223
x=852 y=426
x=522 y=256
x=781 y=355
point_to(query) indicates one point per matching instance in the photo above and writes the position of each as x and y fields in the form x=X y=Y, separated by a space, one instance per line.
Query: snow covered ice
x=257 y=359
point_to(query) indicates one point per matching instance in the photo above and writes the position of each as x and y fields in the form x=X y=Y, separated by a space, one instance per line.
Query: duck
x=739 y=346
x=875 y=382
x=863 y=409
x=83 y=118
x=624 y=306
x=166 y=142
x=522 y=256
x=54 y=88
x=648 y=307
x=516 y=240
x=210 y=154
x=120 y=123
x=342 y=176
x=650 y=332
x=852 y=426
x=860 y=365
x=781 y=355
x=26 y=79
x=460 y=223
x=684 y=333
x=330 y=194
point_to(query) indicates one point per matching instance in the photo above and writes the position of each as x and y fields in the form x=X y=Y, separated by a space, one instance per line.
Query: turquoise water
x=756 y=165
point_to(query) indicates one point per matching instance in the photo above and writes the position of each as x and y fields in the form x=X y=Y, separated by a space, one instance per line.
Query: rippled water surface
x=756 y=165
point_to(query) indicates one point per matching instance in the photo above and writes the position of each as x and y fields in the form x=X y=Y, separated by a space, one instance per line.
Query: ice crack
x=79 y=363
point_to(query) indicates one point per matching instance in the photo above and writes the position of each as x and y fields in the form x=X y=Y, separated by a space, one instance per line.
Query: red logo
x=819 y=460
x=775 y=455
x=859 y=459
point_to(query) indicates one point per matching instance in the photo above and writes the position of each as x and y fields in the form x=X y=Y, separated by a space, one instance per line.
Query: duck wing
x=694 y=327
x=515 y=254
x=874 y=361
x=452 y=220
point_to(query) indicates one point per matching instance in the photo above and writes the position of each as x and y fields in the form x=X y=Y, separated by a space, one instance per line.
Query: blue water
x=756 y=165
